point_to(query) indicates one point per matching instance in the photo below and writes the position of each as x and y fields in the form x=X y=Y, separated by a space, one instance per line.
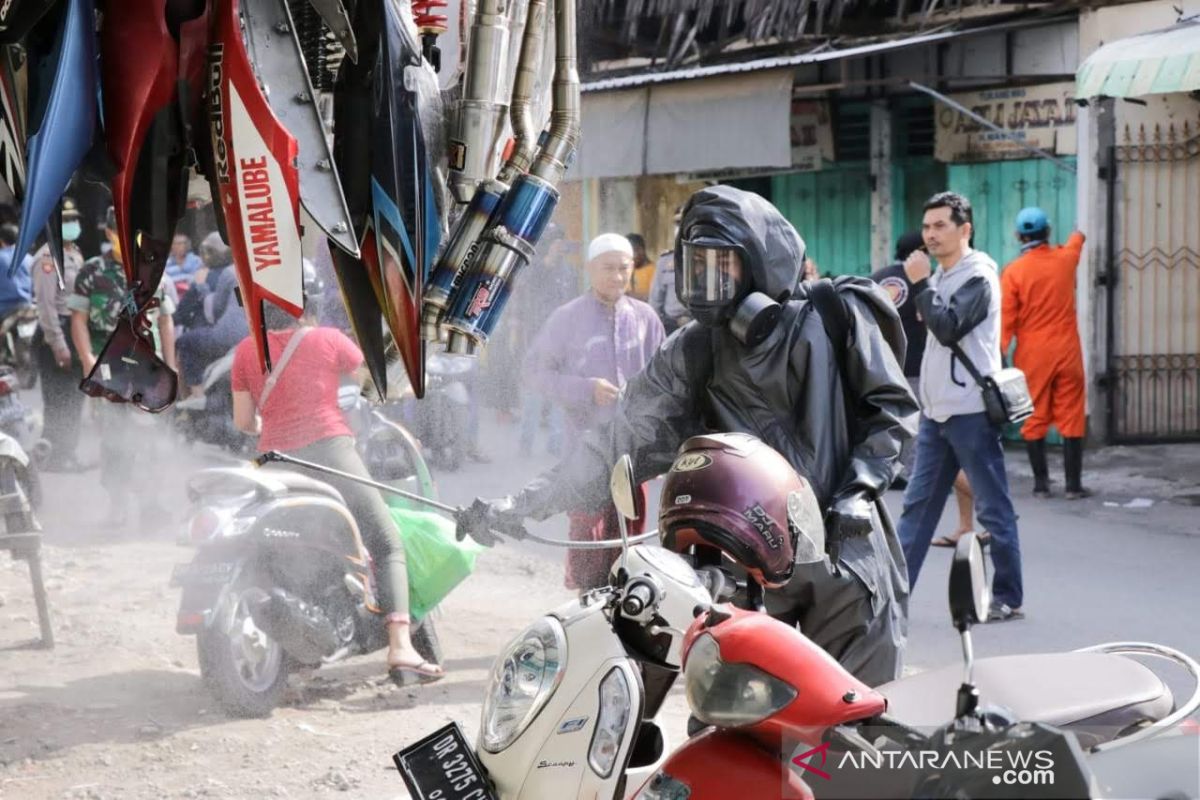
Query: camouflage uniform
x=100 y=290
x=126 y=435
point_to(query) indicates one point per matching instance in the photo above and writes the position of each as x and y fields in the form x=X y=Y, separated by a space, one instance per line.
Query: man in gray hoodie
x=959 y=304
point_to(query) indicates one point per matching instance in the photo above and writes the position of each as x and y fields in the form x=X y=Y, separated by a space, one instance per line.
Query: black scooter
x=281 y=577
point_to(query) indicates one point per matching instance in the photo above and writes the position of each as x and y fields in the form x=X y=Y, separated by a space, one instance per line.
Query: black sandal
x=984 y=538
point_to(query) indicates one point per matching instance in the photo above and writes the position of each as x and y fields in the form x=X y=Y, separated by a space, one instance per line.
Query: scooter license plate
x=442 y=766
x=213 y=572
x=25 y=329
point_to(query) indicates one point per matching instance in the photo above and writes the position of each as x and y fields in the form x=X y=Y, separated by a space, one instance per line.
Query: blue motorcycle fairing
x=61 y=134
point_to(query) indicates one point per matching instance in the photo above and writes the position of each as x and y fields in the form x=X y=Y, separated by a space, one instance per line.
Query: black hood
x=770 y=245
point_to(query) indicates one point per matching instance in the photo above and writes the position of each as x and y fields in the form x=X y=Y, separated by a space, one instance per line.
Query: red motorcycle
x=785 y=718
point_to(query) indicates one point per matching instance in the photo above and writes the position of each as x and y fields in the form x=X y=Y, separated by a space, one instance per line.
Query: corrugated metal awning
x=1159 y=62
x=733 y=121
x=826 y=52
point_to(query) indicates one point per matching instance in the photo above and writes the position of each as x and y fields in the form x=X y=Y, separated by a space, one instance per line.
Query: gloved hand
x=482 y=517
x=847 y=518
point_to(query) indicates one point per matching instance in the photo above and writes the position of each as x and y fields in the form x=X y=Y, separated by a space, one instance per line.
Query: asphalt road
x=1092 y=573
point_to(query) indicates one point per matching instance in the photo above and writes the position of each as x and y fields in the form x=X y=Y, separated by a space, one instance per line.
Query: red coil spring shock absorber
x=430 y=24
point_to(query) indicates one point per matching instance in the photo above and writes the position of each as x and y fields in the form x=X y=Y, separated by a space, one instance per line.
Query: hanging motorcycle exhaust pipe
x=480 y=214
x=526 y=209
x=521 y=111
x=481 y=111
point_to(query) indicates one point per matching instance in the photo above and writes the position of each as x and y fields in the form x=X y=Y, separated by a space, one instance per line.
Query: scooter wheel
x=245 y=669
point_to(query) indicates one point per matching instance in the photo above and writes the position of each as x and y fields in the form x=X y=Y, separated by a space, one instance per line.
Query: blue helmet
x=1031 y=221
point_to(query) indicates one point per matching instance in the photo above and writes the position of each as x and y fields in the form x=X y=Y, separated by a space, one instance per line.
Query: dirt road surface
x=117 y=709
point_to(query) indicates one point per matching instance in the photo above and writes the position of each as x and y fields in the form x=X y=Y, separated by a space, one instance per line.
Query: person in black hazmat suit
x=773 y=373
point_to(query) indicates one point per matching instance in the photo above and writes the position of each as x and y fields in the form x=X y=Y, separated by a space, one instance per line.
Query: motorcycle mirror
x=970 y=594
x=624 y=494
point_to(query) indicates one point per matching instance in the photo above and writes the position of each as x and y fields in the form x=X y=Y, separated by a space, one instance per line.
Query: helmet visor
x=712 y=274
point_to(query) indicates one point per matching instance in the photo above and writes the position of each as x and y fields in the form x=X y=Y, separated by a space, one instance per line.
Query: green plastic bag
x=436 y=561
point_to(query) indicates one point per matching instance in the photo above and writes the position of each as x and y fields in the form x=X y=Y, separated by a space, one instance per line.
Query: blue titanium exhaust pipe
x=506 y=248
x=466 y=240
x=527 y=208
x=481 y=214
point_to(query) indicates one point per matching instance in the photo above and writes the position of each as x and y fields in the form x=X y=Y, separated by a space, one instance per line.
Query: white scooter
x=571 y=703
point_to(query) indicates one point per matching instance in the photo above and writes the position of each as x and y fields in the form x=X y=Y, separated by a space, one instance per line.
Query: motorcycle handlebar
x=637 y=599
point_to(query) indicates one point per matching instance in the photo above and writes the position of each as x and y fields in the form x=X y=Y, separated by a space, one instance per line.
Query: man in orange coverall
x=1038 y=307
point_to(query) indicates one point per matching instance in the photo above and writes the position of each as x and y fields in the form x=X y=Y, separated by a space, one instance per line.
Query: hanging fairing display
x=232 y=90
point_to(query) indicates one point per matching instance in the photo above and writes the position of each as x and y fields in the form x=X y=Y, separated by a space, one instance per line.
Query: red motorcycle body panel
x=140 y=63
x=826 y=694
x=258 y=182
x=719 y=765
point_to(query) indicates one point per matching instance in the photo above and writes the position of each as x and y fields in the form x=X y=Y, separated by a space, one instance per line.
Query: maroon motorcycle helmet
x=732 y=492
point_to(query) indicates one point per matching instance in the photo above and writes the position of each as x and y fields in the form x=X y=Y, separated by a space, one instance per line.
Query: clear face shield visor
x=711 y=274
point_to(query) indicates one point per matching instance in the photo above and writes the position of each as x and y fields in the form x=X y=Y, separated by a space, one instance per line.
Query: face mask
x=71 y=231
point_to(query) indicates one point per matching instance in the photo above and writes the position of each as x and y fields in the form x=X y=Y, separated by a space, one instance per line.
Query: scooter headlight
x=610 y=723
x=729 y=695
x=524 y=678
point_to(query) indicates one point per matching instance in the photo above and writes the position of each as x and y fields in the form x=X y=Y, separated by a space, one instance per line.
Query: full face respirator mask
x=714 y=283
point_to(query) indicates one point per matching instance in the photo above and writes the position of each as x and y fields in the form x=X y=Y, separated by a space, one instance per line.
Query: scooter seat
x=294 y=482
x=1097 y=692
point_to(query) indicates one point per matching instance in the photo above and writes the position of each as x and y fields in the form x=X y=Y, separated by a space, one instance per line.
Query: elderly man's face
x=180 y=246
x=609 y=274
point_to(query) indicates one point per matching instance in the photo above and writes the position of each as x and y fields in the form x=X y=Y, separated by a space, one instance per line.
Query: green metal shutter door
x=915 y=179
x=831 y=209
x=999 y=189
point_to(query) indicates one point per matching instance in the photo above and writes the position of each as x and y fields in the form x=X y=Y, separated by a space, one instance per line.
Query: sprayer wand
x=274 y=456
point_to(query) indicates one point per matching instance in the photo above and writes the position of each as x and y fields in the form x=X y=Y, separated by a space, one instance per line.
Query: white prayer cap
x=608 y=243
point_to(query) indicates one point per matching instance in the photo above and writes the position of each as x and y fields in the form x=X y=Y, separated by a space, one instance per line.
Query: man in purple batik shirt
x=581 y=359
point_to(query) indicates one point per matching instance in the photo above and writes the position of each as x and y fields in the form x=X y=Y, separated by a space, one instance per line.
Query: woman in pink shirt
x=301 y=417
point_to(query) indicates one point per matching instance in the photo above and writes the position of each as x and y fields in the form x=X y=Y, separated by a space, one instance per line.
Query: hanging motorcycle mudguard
x=12 y=124
x=258 y=184
x=279 y=63
x=151 y=95
x=63 y=84
x=404 y=209
x=359 y=279
x=17 y=17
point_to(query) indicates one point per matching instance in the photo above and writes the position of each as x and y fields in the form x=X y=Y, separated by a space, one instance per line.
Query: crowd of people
x=601 y=352
x=917 y=421
x=195 y=322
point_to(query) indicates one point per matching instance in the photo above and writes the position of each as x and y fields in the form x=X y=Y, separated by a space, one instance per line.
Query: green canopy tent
x=1159 y=62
